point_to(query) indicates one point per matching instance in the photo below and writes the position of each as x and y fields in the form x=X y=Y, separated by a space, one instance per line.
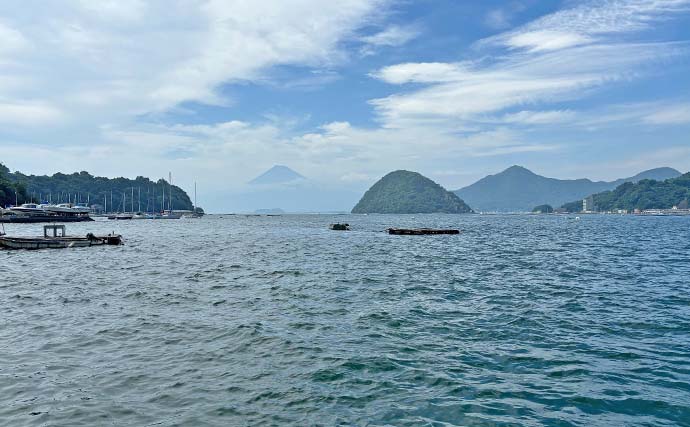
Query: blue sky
x=344 y=92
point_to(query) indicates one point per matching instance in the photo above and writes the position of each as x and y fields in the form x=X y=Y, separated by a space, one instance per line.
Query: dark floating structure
x=57 y=239
x=420 y=231
x=339 y=227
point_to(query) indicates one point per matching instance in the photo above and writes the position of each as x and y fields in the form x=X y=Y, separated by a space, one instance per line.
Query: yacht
x=62 y=208
x=28 y=209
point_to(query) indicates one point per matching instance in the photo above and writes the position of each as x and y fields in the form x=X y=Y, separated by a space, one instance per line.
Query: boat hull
x=57 y=243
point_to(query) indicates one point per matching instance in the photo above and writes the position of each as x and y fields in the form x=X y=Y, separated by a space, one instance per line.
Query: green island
x=645 y=194
x=405 y=192
x=82 y=187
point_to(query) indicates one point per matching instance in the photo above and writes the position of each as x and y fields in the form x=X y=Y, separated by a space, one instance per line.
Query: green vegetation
x=83 y=187
x=543 y=209
x=9 y=190
x=646 y=194
x=402 y=192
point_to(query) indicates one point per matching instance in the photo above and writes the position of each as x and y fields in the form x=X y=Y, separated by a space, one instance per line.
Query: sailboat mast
x=194 y=196
x=170 y=188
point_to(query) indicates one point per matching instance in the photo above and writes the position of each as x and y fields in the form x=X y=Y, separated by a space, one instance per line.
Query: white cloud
x=544 y=40
x=461 y=92
x=392 y=36
x=121 y=58
x=28 y=113
x=11 y=41
x=670 y=115
x=539 y=117
x=587 y=22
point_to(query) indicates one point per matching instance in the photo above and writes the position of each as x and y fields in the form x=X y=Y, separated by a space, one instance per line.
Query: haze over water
x=233 y=320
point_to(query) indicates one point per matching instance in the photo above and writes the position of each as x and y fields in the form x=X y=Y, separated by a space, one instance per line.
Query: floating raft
x=339 y=227
x=57 y=240
x=420 y=231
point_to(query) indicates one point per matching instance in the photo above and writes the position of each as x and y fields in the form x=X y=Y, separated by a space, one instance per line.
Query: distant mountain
x=292 y=192
x=278 y=174
x=402 y=192
x=270 y=211
x=645 y=194
x=519 y=189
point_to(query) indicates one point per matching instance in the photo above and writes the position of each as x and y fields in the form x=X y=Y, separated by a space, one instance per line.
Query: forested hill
x=403 y=192
x=62 y=188
x=646 y=194
x=9 y=188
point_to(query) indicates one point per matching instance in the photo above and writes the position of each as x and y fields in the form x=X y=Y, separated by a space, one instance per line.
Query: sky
x=343 y=92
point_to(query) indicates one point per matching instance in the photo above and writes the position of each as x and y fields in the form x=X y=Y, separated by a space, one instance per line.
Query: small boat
x=339 y=227
x=54 y=237
x=420 y=231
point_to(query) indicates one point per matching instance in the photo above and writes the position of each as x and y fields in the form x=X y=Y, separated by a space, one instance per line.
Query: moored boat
x=54 y=237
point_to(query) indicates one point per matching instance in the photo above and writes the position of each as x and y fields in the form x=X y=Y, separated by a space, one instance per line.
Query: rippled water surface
x=233 y=320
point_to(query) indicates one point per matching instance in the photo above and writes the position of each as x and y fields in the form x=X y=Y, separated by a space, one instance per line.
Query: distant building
x=588 y=204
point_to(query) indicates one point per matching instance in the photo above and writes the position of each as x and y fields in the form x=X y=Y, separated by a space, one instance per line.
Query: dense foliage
x=402 y=192
x=544 y=209
x=10 y=191
x=646 y=194
x=518 y=189
x=82 y=187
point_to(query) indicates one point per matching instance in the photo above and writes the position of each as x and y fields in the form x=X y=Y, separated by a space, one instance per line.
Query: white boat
x=81 y=208
x=170 y=215
x=28 y=209
x=60 y=208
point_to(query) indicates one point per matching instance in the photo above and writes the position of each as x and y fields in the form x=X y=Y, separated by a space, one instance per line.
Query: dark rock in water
x=404 y=192
x=339 y=227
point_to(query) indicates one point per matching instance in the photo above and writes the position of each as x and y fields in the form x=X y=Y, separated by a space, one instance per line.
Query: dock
x=420 y=231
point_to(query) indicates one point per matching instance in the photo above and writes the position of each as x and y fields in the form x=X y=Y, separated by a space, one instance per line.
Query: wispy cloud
x=133 y=57
x=466 y=92
x=392 y=36
x=588 y=22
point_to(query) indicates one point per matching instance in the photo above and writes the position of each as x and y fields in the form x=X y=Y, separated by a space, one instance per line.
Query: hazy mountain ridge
x=402 y=192
x=519 y=189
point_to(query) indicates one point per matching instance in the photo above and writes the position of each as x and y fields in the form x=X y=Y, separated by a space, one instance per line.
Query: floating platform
x=339 y=227
x=420 y=231
x=58 y=240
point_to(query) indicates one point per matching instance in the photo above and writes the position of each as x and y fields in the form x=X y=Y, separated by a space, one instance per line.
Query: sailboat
x=194 y=213
x=169 y=214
